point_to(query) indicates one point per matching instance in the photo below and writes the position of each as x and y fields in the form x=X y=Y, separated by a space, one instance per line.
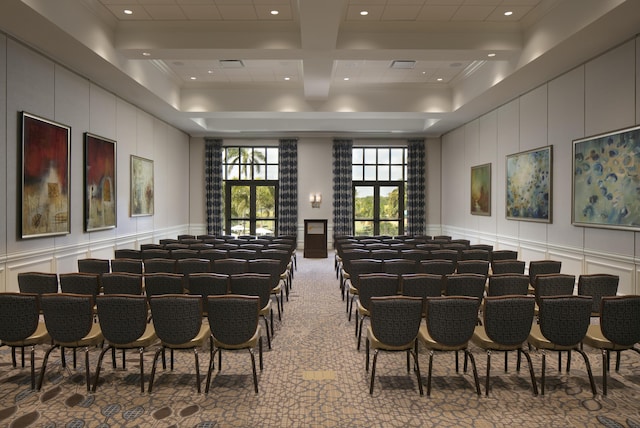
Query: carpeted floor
x=315 y=377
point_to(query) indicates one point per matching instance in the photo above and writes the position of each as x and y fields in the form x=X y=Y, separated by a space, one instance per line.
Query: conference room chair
x=20 y=326
x=553 y=284
x=122 y=283
x=438 y=267
x=394 y=327
x=258 y=285
x=438 y=334
x=480 y=267
x=563 y=324
x=184 y=253
x=506 y=326
x=38 y=282
x=123 y=322
x=597 y=285
x=373 y=285
x=156 y=253
x=163 y=283
x=230 y=266
x=507 y=266
x=272 y=268
x=80 y=283
x=212 y=254
x=618 y=330
x=176 y=246
x=507 y=284
x=503 y=255
x=92 y=265
x=540 y=267
x=69 y=321
x=126 y=265
x=421 y=285
x=159 y=265
x=474 y=254
x=400 y=266
x=127 y=253
x=205 y=284
x=190 y=266
x=357 y=268
x=144 y=247
x=233 y=320
x=177 y=320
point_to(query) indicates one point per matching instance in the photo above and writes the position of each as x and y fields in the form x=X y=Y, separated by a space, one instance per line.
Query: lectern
x=315 y=238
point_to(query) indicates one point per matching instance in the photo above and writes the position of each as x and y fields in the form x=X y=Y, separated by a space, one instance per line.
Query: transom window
x=250 y=190
x=379 y=181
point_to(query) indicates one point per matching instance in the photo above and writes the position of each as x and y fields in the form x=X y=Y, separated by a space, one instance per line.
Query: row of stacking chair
x=68 y=322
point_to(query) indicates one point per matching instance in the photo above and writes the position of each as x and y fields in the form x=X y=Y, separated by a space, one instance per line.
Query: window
x=250 y=177
x=379 y=180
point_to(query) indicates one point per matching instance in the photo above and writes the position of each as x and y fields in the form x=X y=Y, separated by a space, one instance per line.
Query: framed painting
x=481 y=189
x=605 y=180
x=529 y=185
x=99 y=183
x=141 y=186
x=44 y=182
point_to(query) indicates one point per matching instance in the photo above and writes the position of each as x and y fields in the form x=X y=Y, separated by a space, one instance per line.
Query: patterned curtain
x=342 y=188
x=415 y=188
x=213 y=185
x=288 y=187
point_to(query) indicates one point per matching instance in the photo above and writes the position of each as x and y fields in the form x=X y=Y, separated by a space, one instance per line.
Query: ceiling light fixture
x=508 y=13
x=193 y=77
x=403 y=64
x=274 y=12
x=345 y=79
x=128 y=12
x=287 y=78
x=491 y=55
x=364 y=13
x=439 y=79
x=146 y=54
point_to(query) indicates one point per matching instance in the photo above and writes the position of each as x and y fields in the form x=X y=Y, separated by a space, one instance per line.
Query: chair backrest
x=177 y=318
x=163 y=283
x=474 y=254
x=508 y=319
x=127 y=253
x=480 y=267
x=416 y=254
x=38 y=282
x=620 y=319
x=486 y=247
x=504 y=255
x=156 y=253
x=400 y=266
x=160 y=265
x=252 y=284
x=192 y=265
x=122 y=283
x=438 y=267
x=123 y=317
x=184 y=253
x=508 y=284
x=206 y=284
x=465 y=284
x=243 y=253
x=421 y=285
x=19 y=313
x=539 y=267
x=184 y=236
x=384 y=254
x=80 y=283
x=554 y=284
x=508 y=266
x=94 y=265
x=230 y=266
x=451 y=320
x=144 y=247
x=445 y=254
x=375 y=285
x=395 y=320
x=176 y=246
x=212 y=254
x=564 y=319
x=126 y=265
x=67 y=316
x=271 y=267
x=233 y=319
x=362 y=266
x=598 y=285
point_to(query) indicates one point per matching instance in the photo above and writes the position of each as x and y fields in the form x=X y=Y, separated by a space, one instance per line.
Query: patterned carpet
x=315 y=377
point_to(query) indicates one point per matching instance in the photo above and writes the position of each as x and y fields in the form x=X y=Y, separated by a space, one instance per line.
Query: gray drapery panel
x=288 y=187
x=213 y=185
x=415 y=188
x=342 y=188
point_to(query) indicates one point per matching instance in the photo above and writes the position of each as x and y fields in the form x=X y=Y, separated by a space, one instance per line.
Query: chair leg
x=544 y=367
x=429 y=374
x=86 y=365
x=44 y=366
x=605 y=364
x=253 y=368
x=260 y=353
x=360 y=332
x=266 y=327
x=153 y=368
x=589 y=372
x=373 y=370
x=195 y=353
x=366 y=343
x=417 y=365
x=475 y=371
x=210 y=369
x=33 y=370
x=533 y=376
x=486 y=382
x=99 y=366
x=141 y=350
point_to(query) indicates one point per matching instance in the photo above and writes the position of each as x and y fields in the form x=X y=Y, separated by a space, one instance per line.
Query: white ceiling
x=231 y=67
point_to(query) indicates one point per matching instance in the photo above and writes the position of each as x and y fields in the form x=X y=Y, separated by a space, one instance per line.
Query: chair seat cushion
x=481 y=339
x=374 y=343
x=94 y=337
x=596 y=339
x=429 y=342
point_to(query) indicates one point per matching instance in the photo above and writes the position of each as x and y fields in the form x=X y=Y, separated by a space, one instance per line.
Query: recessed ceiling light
x=146 y=54
x=128 y=12
x=424 y=72
x=491 y=55
x=193 y=77
x=508 y=13
x=287 y=78
x=210 y=71
x=345 y=79
x=439 y=79
x=274 y=12
x=364 y=13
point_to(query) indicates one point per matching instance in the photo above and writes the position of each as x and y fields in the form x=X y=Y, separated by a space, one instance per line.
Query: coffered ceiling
x=280 y=67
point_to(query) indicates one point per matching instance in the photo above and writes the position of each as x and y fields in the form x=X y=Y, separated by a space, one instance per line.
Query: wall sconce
x=315 y=199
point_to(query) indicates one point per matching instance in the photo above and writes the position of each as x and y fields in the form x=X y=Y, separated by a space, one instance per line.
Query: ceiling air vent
x=403 y=64
x=231 y=63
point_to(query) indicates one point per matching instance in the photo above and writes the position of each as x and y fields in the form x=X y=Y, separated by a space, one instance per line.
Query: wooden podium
x=315 y=239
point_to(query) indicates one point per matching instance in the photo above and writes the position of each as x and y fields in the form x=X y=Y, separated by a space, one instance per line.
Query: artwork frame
x=100 y=186
x=142 y=187
x=480 y=195
x=529 y=185
x=605 y=180
x=45 y=199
